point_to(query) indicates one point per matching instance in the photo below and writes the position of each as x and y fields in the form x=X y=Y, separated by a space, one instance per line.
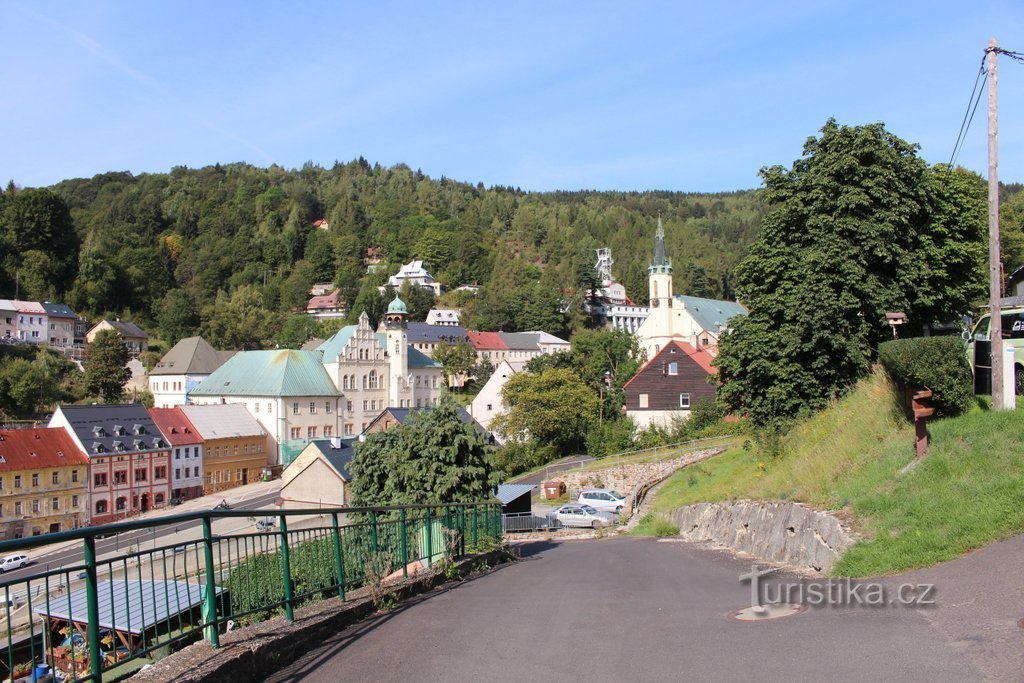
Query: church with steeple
x=671 y=317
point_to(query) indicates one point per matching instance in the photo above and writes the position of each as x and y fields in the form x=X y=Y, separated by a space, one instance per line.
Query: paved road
x=630 y=609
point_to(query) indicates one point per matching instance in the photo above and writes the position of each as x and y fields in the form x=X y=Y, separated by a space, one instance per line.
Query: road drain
x=767 y=612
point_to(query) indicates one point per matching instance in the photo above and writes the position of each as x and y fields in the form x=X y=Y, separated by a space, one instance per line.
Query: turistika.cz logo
x=834 y=592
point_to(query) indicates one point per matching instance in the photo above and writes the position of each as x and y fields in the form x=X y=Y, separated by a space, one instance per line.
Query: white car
x=605 y=500
x=578 y=515
x=13 y=562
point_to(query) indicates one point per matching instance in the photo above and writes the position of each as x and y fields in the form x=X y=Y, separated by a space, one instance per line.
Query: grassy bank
x=965 y=494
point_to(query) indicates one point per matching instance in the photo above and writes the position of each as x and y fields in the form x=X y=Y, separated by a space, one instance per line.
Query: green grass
x=652 y=525
x=849 y=458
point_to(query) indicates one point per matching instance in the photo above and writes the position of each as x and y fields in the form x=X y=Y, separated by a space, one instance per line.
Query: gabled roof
x=223 y=421
x=126 y=329
x=333 y=347
x=7 y=305
x=405 y=415
x=103 y=430
x=325 y=301
x=175 y=427
x=338 y=453
x=277 y=373
x=486 y=341
x=506 y=493
x=520 y=341
x=546 y=338
x=32 y=449
x=711 y=314
x=33 y=307
x=422 y=332
x=59 y=310
x=671 y=351
x=191 y=356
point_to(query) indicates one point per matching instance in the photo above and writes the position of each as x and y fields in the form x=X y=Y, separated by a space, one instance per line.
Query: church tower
x=659 y=274
x=396 y=327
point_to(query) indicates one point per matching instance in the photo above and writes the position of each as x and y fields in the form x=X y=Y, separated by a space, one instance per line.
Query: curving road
x=630 y=609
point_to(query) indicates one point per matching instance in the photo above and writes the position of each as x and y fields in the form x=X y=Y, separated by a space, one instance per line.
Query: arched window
x=159 y=498
x=373 y=379
x=364 y=382
x=122 y=502
x=101 y=507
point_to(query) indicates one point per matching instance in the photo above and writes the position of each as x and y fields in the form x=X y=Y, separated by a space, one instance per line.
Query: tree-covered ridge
x=175 y=251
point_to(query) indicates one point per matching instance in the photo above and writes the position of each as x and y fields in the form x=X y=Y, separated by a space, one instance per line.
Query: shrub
x=938 y=363
x=655 y=525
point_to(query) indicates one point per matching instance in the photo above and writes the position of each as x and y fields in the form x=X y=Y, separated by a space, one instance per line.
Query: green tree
x=296 y=331
x=554 y=407
x=177 y=316
x=106 y=360
x=38 y=234
x=434 y=459
x=858 y=227
x=241 y=321
x=456 y=359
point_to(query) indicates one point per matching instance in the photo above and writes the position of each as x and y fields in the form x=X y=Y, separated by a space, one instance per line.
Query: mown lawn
x=850 y=458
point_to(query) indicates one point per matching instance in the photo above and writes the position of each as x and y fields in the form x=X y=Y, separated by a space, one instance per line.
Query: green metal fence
x=115 y=597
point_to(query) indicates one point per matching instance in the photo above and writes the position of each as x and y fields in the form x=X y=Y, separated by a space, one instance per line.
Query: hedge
x=938 y=363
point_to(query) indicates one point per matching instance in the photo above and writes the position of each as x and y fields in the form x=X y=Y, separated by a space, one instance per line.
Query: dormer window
x=139 y=444
x=120 y=431
x=98 y=448
x=158 y=443
x=139 y=429
x=99 y=431
x=118 y=446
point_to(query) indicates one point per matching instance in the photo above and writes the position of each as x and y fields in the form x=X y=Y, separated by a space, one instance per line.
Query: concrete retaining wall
x=785 y=533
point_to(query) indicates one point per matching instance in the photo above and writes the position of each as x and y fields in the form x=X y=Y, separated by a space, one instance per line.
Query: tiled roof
x=486 y=341
x=424 y=333
x=325 y=301
x=33 y=307
x=126 y=329
x=282 y=372
x=521 y=341
x=191 y=356
x=32 y=449
x=711 y=314
x=175 y=427
x=114 y=428
x=223 y=421
x=338 y=457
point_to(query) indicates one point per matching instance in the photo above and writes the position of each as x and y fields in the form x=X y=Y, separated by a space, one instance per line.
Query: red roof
x=325 y=301
x=486 y=341
x=699 y=356
x=33 y=449
x=175 y=427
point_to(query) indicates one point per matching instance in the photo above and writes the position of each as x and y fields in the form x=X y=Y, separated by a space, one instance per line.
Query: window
x=684 y=400
x=270 y=407
x=256 y=408
x=35 y=479
x=74 y=478
x=55 y=503
x=327 y=406
x=17 y=481
x=74 y=502
x=55 y=477
x=121 y=477
x=295 y=408
x=311 y=432
x=348 y=406
x=643 y=400
x=489 y=408
x=17 y=508
x=160 y=472
x=673 y=368
x=348 y=428
x=295 y=433
x=35 y=505
x=159 y=499
x=328 y=431
x=245 y=449
x=140 y=475
x=101 y=507
x=312 y=407
x=99 y=479
x=122 y=503
x=177 y=473
x=366 y=405
x=238 y=475
x=177 y=454
x=195 y=471
x=209 y=478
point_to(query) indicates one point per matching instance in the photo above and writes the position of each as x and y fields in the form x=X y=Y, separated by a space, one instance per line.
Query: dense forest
x=231 y=250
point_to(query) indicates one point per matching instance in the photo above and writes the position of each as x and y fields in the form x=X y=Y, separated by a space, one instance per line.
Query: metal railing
x=115 y=604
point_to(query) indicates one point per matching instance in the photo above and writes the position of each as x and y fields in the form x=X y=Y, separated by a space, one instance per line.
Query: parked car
x=577 y=515
x=266 y=524
x=13 y=562
x=605 y=500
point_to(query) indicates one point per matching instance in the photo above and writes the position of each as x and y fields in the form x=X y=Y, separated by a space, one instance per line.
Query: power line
x=975 y=98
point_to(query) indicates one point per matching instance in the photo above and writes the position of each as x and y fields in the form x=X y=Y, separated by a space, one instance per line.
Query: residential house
x=321 y=288
x=43 y=482
x=373 y=260
x=696 y=320
x=129 y=459
x=186 y=449
x=319 y=476
x=425 y=338
x=135 y=339
x=61 y=328
x=235 y=445
x=321 y=224
x=376 y=370
x=488 y=404
x=288 y=392
x=444 y=316
x=8 y=320
x=668 y=385
x=32 y=321
x=327 y=306
x=518 y=348
x=416 y=275
x=392 y=417
x=188 y=363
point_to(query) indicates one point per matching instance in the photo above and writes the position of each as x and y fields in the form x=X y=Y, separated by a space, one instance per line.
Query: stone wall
x=786 y=533
x=627 y=478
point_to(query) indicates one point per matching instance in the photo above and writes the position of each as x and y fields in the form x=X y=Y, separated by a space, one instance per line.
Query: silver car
x=605 y=500
x=577 y=515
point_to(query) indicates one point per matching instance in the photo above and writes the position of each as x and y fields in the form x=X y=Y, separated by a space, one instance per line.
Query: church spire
x=659 y=244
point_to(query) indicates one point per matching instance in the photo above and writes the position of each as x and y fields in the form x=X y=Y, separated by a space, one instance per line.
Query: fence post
x=447 y=531
x=475 y=526
x=93 y=611
x=404 y=547
x=373 y=532
x=462 y=531
x=286 y=568
x=430 y=539
x=339 y=568
x=212 y=631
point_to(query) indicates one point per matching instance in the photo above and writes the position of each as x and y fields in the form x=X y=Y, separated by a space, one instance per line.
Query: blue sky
x=541 y=95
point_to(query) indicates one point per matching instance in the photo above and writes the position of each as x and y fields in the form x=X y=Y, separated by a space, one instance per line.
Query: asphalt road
x=630 y=609
x=73 y=555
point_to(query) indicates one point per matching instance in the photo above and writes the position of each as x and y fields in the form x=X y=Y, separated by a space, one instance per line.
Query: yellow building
x=44 y=481
x=235 y=446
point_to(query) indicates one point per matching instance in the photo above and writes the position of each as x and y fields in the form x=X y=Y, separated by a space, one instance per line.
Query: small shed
x=515 y=498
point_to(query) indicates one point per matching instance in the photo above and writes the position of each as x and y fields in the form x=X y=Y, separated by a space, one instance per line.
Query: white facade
x=487 y=405
x=187 y=467
x=172 y=390
x=449 y=317
x=627 y=318
x=32 y=322
x=8 y=319
x=415 y=274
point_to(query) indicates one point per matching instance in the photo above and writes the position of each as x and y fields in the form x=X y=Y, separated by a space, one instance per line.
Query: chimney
x=335 y=442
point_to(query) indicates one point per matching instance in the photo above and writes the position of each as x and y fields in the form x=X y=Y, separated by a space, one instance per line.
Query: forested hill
x=233 y=245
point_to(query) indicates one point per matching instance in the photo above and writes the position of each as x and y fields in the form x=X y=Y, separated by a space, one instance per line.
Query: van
x=979 y=349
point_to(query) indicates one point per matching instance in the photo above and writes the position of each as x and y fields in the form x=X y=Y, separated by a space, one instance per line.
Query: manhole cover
x=767 y=612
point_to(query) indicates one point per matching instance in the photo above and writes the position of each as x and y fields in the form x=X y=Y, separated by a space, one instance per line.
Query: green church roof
x=278 y=373
x=711 y=314
x=398 y=306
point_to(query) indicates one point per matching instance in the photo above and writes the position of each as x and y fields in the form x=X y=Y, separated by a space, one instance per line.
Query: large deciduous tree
x=553 y=407
x=859 y=226
x=106 y=369
x=434 y=459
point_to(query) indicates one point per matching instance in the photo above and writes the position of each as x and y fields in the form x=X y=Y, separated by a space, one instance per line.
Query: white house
x=415 y=274
x=32 y=321
x=444 y=316
x=188 y=363
x=319 y=476
x=487 y=404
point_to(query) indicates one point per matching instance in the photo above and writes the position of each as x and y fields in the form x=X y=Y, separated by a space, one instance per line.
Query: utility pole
x=995 y=280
